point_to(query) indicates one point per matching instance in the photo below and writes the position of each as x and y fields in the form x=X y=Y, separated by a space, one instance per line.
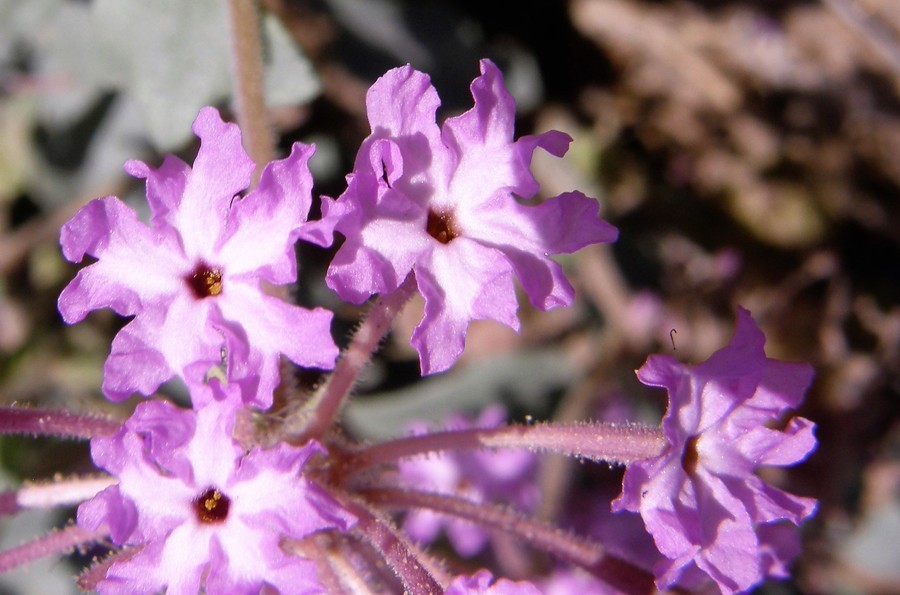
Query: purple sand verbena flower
x=198 y=511
x=700 y=499
x=441 y=202
x=191 y=279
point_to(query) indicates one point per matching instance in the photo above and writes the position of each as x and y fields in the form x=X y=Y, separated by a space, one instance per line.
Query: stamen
x=441 y=226
x=205 y=281
x=212 y=506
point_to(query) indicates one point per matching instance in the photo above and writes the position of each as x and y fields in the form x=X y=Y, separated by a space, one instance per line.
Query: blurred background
x=749 y=153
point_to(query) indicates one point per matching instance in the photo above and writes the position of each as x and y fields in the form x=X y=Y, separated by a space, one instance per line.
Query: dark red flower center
x=205 y=281
x=212 y=506
x=441 y=226
x=691 y=456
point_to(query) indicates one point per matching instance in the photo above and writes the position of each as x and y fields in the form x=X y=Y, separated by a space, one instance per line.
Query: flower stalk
x=56 y=542
x=619 y=444
x=320 y=413
x=57 y=423
x=247 y=63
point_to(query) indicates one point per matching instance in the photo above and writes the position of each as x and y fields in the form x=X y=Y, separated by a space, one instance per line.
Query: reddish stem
x=56 y=542
x=613 y=443
x=63 y=424
x=540 y=535
x=411 y=565
x=247 y=63
x=325 y=406
x=616 y=572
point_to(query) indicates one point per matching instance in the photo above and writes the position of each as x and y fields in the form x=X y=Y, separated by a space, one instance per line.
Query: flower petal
x=263 y=227
x=136 y=266
x=221 y=170
x=463 y=281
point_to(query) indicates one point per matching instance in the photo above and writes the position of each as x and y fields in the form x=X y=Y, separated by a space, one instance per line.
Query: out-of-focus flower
x=198 y=511
x=569 y=581
x=441 y=202
x=192 y=278
x=505 y=476
x=482 y=583
x=700 y=499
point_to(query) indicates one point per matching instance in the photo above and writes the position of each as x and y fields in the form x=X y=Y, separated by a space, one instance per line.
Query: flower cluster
x=234 y=496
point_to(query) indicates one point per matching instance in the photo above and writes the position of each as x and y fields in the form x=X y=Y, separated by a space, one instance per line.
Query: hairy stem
x=613 y=443
x=315 y=419
x=62 y=492
x=247 y=66
x=411 y=565
x=62 y=424
x=56 y=542
x=564 y=545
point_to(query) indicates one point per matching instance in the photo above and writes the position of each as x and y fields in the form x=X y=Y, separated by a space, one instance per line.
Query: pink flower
x=191 y=279
x=700 y=499
x=441 y=202
x=199 y=511
x=502 y=476
x=482 y=583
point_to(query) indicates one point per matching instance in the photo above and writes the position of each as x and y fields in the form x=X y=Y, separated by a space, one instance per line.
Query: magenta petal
x=133 y=365
x=378 y=255
x=109 y=509
x=402 y=103
x=221 y=170
x=273 y=326
x=321 y=231
x=357 y=272
x=482 y=290
x=527 y=236
x=490 y=122
x=134 y=268
x=482 y=583
x=158 y=343
x=569 y=222
x=771 y=447
x=304 y=336
x=165 y=186
x=263 y=227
